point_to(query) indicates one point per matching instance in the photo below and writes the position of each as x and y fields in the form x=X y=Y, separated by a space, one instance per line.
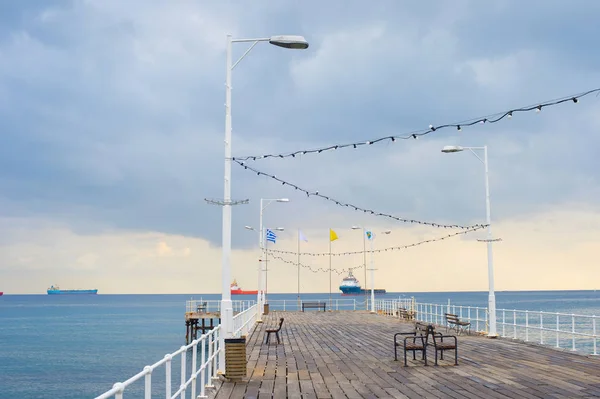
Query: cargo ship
x=351 y=286
x=236 y=290
x=1 y=293
x=55 y=290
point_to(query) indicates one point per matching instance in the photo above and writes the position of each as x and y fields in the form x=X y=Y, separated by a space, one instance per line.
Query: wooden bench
x=201 y=308
x=275 y=331
x=405 y=314
x=454 y=323
x=317 y=305
x=419 y=341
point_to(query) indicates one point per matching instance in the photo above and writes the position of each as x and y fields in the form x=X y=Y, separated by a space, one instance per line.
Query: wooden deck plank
x=350 y=355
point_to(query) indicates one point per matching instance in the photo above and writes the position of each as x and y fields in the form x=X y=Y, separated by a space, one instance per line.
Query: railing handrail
x=535 y=320
x=208 y=361
x=119 y=387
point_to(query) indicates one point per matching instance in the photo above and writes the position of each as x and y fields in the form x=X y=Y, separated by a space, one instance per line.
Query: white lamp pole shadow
x=290 y=42
x=491 y=296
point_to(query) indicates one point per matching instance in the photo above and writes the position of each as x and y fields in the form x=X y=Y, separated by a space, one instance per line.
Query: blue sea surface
x=79 y=346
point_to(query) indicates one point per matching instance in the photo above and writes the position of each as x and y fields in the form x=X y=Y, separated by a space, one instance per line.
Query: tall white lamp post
x=491 y=297
x=290 y=42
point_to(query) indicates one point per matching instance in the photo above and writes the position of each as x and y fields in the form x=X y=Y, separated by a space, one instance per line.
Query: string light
x=316 y=270
x=494 y=118
x=401 y=247
x=356 y=208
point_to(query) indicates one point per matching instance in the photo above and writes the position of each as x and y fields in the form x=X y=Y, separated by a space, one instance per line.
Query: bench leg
x=425 y=355
x=456 y=356
x=277 y=335
x=405 y=364
x=267 y=339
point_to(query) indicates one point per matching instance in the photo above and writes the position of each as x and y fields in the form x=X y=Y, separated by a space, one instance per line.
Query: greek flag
x=271 y=236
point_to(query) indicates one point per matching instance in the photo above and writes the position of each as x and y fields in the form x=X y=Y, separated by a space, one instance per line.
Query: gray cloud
x=115 y=119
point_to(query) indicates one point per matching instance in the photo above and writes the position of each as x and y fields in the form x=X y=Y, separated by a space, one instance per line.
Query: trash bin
x=266 y=308
x=235 y=358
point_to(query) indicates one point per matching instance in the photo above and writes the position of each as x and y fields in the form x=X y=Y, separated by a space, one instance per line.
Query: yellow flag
x=332 y=235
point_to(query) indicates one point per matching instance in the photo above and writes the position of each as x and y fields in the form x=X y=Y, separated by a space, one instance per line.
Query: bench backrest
x=451 y=317
x=280 y=324
x=423 y=328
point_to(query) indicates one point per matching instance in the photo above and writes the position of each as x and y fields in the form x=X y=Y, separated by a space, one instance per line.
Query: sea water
x=78 y=346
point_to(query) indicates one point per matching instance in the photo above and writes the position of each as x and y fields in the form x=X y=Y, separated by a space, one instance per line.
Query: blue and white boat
x=350 y=285
x=55 y=290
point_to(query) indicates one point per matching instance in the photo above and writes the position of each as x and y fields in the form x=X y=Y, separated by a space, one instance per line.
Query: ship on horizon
x=351 y=286
x=55 y=290
x=236 y=290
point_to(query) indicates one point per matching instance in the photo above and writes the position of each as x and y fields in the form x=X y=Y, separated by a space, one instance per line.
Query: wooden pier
x=351 y=355
x=200 y=321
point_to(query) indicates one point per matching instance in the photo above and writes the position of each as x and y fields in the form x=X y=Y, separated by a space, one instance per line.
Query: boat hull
x=244 y=292
x=363 y=291
x=1 y=293
x=350 y=290
x=72 y=292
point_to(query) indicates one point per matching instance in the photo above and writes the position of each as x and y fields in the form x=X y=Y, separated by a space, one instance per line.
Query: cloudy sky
x=111 y=137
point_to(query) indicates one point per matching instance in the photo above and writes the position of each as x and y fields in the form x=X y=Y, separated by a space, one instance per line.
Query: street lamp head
x=387 y=231
x=356 y=227
x=452 y=148
x=283 y=200
x=289 y=41
x=249 y=227
x=279 y=229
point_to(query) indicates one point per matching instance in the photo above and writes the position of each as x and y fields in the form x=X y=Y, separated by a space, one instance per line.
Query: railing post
x=503 y=322
x=168 y=376
x=203 y=366
x=354 y=304
x=527 y=325
x=487 y=319
x=557 y=330
x=209 y=364
x=183 y=372
x=119 y=394
x=595 y=336
x=514 y=324
x=194 y=367
x=573 y=331
x=284 y=301
x=469 y=314
x=541 y=328
x=148 y=383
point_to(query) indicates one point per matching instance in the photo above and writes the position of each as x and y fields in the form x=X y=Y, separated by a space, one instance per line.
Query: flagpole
x=266 y=270
x=298 y=269
x=330 y=270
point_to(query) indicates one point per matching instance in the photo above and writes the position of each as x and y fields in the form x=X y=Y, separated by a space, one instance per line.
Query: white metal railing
x=209 y=351
x=201 y=371
x=214 y=305
x=244 y=321
x=293 y=305
x=561 y=330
